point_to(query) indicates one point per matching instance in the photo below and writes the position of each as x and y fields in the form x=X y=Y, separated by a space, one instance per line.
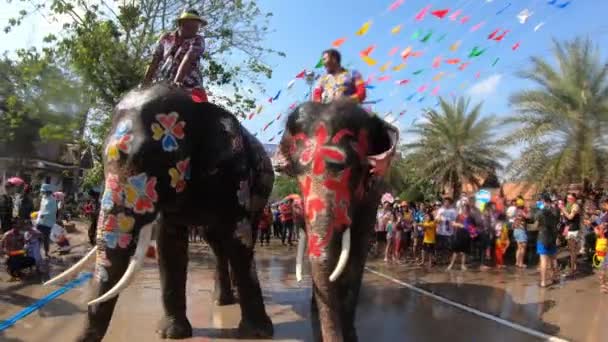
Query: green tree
x=284 y=186
x=561 y=123
x=454 y=146
x=404 y=179
x=38 y=101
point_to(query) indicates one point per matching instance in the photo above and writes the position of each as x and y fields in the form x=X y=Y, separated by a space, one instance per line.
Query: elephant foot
x=262 y=329
x=225 y=300
x=174 y=329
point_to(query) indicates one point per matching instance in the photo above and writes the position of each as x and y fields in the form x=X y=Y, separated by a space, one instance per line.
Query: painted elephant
x=337 y=152
x=174 y=162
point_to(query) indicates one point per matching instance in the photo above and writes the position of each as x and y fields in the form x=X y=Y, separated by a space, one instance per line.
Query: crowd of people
x=444 y=233
x=26 y=233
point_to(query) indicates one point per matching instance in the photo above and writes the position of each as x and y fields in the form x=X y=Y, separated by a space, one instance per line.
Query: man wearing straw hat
x=177 y=56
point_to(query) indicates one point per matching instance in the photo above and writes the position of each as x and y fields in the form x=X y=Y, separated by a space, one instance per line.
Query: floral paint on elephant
x=169 y=129
x=180 y=174
x=140 y=193
x=120 y=141
x=243 y=194
x=243 y=232
x=112 y=193
x=319 y=150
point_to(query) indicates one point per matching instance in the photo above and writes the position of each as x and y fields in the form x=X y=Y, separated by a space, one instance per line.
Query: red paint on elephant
x=317 y=150
x=340 y=187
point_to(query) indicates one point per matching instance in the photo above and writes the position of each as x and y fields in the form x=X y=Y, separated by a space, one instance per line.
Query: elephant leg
x=222 y=293
x=254 y=320
x=172 y=246
x=314 y=319
x=349 y=296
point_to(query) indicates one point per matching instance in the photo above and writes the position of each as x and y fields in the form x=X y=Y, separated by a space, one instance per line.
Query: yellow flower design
x=125 y=223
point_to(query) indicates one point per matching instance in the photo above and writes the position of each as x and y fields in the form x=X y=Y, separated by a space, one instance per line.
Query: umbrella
x=59 y=196
x=15 y=181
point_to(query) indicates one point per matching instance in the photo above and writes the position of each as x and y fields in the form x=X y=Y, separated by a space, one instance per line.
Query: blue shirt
x=47 y=215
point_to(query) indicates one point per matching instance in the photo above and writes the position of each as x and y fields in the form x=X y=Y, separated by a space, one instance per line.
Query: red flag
x=455 y=15
x=422 y=88
x=453 y=61
x=301 y=74
x=270 y=99
x=402 y=82
x=293 y=105
x=464 y=20
x=463 y=66
x=493 y=34
x=499 y=38
x=515 y=47
x=440 y=13
x=368 y=50
x=384 y=78
x=437 y=62
x=251 y=116
x=477 y=75
x=338 y=42
x=422 y=13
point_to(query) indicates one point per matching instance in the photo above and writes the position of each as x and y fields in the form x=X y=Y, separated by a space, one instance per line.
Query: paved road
x=387 y=311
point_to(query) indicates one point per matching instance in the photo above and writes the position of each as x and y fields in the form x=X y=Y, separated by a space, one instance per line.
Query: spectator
x=7 y=190
x=264 y=226
x=502 y=240
x=521 y=238
x=286 y=210
x=486 y=236
x=27 y=204
x=572 y=215
x=14 y=244
x=47 y=215
x=428 y=245
x=390 y=219
x=446 y=215
x=464 y=227
x=548 y=221
x=91 y=210
x=276 y=221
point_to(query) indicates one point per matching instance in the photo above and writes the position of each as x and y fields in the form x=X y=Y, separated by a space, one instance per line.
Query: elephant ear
x=384 y=138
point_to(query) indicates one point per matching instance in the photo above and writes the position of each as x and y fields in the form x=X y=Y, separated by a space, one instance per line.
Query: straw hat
x=191 y=14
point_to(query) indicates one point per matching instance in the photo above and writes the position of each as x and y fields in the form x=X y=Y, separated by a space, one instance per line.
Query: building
x=55 y=163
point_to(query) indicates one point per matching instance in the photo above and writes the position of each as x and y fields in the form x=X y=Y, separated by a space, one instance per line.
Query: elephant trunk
x=137 y=261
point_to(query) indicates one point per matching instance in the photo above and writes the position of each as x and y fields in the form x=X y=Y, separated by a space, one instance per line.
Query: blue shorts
x=541 y=249
x=520 y=235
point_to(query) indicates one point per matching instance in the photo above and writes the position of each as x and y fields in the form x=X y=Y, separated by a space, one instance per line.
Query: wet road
x=387 y=311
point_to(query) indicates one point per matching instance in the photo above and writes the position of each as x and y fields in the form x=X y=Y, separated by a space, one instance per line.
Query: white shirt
x=446 y=217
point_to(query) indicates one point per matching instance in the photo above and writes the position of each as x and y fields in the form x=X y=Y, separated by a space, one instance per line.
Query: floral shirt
x=171 y=50
x=345 y=83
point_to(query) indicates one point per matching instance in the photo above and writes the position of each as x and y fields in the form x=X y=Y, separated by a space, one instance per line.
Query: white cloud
x=486 y=87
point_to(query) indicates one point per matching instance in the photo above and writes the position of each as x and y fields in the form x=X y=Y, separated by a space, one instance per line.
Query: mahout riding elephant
x=338 y=152
x=173 y=162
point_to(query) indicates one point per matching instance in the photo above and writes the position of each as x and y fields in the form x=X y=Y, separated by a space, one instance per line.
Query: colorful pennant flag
x=395 y=5
x=385 y=66
x=368 y=60
x=399 y=67
x=504 y=9
x=437 y=62
x=393 y=51
x=455 y=46
x=396 y=29
x=455 y=15
x=320 y=63
x=363 y=30
x=515 y=46
x=420 y=16
x=338 y=42
x=368 y=50
x=440 y=13
x=477 y=26
x=465 y=20
x=418 y=72
x=402 y=82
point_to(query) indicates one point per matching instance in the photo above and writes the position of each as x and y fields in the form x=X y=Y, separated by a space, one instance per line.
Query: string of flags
x=425 y=37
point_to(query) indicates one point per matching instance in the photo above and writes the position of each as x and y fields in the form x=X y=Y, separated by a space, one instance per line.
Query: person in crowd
x=407 y=226
x=7 y=190
x=428 y=245
x=446 y=215
x=286 y=209
x=276 y=221
x=398 y=232
x=521 y=238
x=47 y=215
x=27 y=204
x=572 y=215
x=91 y=211
x=461 y=242
x=338 y=82
x=380 y=227
x=178 y=54
x=264 y=226
x=486 y=235
x=391 y=220
x=546 y=247
x=14 y=245
x=502 y=240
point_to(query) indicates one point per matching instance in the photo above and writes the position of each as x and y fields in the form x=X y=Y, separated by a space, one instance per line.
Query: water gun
x=601 y=247
x=16 y=252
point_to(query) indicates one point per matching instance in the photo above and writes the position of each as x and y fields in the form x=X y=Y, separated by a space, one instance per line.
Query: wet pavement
x=387 y=310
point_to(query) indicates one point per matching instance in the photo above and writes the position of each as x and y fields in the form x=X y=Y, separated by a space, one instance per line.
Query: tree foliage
x=284 y=186
x=38 y=101
x=455 y=145
x=562 y=122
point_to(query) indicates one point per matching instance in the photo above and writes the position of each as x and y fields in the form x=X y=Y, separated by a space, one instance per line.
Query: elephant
x=173 y=162
x=338 y=153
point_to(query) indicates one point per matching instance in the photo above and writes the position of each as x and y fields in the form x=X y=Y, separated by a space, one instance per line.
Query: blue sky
x=302 y=29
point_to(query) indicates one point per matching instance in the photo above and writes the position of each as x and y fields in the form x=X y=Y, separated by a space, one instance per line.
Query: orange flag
x=367 y=51
x=338 y=42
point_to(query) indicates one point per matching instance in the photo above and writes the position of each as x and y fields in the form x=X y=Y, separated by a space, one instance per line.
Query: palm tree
x=561 y=123
x=455 y=145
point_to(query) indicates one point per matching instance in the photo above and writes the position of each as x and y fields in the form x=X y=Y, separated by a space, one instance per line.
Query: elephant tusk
x=300 y=254
x=145 y=236
x=343 y=256
x=75 y=269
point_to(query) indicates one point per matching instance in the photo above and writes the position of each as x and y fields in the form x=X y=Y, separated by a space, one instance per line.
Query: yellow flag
x=259 y=109
x=368 y=60
x=455 y=46
x=396 y=29
x=363 y=30
x=399 y=67
x=438 y=76
x=385 y=66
